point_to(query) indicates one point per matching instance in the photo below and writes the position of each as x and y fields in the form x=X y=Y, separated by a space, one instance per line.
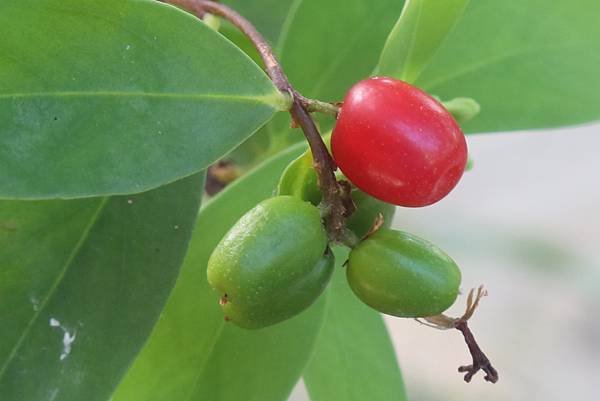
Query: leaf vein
x=52 y=290
x=413 y=41
x=202 y=366
x=487 y=62
x=266 y=98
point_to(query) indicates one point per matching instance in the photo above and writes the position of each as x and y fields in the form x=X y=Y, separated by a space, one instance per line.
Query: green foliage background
x=120 y=105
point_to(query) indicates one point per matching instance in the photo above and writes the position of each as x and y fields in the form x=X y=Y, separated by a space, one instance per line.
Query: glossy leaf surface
x=353 y=358
x=268 y=16
x=82 y=283
x=118 y=96
x=530 y=64
x=192 y=354
x=330 y=45
x=326 y=46
x=417 y=35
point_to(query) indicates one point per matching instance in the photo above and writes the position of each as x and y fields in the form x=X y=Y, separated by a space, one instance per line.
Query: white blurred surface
x=526 y=223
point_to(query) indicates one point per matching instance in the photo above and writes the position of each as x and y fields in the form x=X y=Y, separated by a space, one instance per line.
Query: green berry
x=272 y=264
x=402 y=275
x=367 y=210
x=299 y=179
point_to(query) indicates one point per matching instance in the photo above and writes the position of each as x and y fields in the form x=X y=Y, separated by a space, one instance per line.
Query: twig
x=480 y=360
x=312 y=105
x=334 y=204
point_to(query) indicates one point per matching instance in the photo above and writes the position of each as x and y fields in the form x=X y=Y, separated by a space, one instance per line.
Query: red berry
x=397 y=143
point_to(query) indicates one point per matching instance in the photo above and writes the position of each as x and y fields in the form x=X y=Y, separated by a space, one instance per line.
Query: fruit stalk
x=335 y=210
x=480 y=360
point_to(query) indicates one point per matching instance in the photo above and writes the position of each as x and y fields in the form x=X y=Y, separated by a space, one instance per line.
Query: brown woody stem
x=333 y=194
x=480 y=360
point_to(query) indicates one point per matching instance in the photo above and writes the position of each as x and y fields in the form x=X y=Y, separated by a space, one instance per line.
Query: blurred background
x=525 y=221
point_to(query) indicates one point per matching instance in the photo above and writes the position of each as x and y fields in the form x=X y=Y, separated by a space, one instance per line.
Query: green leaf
x=531 y=64
x=82 y=283
x=118 y=96
x=193 y=354
x=232 y=33
x=259 y=365
x=419 y=32
x=325 y=47
x=268 y=16
x=269 y=23
x=353 y=358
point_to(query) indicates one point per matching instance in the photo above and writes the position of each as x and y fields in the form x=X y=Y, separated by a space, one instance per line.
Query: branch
x=480 y=360
x=335 y=211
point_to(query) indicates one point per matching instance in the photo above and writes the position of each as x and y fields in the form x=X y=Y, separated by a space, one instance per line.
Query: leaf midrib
x=490 y=61
x=265 y=98
x=204 y=361
x=285 y=27
x=413 y=40
x=68 y=263
x=338 y=60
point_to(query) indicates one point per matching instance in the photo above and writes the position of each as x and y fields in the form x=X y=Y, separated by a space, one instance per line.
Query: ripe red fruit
x=397 y=143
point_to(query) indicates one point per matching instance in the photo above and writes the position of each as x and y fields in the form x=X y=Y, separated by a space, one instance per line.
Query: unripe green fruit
x=272 y=264
x=299 y=179
x=367 y=210
x=402 y=275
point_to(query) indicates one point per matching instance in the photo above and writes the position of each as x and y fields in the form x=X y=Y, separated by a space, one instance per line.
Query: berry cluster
x=397 y=146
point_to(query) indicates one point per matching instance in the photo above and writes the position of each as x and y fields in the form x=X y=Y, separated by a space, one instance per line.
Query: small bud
x=463 y=109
